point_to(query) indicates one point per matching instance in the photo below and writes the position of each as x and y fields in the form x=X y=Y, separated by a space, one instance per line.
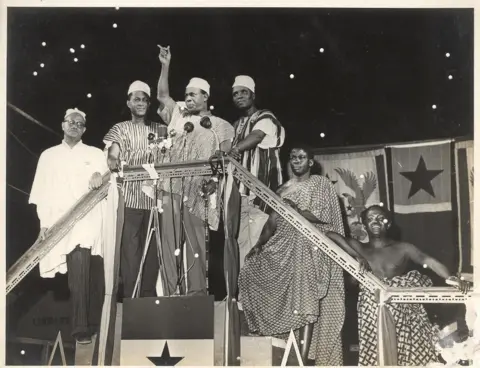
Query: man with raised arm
x=388 y=260
x=198 y=134
x=64 y=174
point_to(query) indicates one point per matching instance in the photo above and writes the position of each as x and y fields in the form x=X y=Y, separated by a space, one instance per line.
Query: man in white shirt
x=258 y=138
x=64 y=174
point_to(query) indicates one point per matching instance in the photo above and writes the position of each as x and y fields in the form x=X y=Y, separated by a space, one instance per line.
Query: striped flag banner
x=360 y=180
x=112 y=234
x=168 y=331
x=422 y=196
x=464 y=178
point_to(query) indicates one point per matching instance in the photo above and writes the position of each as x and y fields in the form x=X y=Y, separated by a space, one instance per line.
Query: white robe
x=61 y=179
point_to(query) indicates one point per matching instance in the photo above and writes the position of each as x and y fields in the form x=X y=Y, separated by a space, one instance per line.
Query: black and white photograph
x=239 y=186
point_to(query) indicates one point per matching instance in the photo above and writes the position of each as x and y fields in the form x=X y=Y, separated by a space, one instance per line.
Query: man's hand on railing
x=463 y=285
x=41 y=234
x=95 y=181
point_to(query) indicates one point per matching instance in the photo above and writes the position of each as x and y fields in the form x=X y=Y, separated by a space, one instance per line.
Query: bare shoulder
x=405 y=247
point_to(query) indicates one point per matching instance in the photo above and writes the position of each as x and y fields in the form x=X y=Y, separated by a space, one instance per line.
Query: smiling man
x=128 y=142
x=258 y=138
x=389 y=260
x=64 y=174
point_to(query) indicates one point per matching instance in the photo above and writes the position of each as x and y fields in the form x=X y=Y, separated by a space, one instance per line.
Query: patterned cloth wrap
x=292 y=283
x=416 y=336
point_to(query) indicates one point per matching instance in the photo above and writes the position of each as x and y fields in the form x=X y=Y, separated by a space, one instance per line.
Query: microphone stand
x=188 y=128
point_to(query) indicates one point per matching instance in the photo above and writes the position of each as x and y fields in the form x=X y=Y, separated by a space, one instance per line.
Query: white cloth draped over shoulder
x=61 y=179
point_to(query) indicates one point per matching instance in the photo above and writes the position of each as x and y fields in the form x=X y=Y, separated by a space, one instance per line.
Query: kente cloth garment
x=200 y=144
x=134 y=146
x=61 y=179
x=292 y=283
x=416 y=336
x=264 y=161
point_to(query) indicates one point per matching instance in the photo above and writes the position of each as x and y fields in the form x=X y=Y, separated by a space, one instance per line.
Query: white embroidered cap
x=199 y=83
x=139 y=86
x=244 y=81
x=75 y=110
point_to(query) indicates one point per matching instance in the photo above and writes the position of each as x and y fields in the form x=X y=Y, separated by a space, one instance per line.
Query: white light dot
x=89 y=95
x=434 y=107
x=42 y=65
x=450 y=77
x=212 y=107
x=196 y=255
x=75 y=59
x=177 y=252
x=385 y=221
x=302 y=342
x=425 y=265
x=82 y=46
x=157 y=302
x=322 y=135
x=234 y=300
x=292 y=76
x=44 y=44
x=117 y=8
x=72 y=50
x=462 y=278
x=447 y=54
x=381 y=204
x=115 y=25
x=22 y=352
x=362 y=176
x=322 y=49
x=35 y=73
x=315 y=248
x=295 y=312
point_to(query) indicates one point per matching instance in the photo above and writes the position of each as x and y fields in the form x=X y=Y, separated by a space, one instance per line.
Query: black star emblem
x=333 y=181
x=165 y=359
x=349 y=208
x=421 y=178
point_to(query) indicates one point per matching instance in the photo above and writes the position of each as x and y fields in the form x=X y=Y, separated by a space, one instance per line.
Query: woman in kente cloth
x=388 y=260
x=288 y=283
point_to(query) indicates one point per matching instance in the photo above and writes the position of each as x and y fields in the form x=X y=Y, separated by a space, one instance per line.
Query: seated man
x=388 y=260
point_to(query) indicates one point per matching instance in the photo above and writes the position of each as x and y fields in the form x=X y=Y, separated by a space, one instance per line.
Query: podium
x=173 y=331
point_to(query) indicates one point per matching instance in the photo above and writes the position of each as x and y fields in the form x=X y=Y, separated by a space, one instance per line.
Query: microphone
x=206 y=122
x=188 y=127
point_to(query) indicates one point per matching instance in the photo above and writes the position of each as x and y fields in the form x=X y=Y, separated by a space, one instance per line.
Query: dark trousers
x=195 y=244
x=86 y=281
x=134 y=236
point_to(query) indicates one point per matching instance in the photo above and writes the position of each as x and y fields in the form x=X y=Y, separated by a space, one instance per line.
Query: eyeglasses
x=78 y=124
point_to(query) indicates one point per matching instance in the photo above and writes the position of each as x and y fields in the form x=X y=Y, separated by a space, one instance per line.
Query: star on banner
x=421 y=178
x=165 y=359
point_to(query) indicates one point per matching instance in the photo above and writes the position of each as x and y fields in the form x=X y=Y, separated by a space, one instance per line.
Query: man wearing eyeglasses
x=64 y=174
